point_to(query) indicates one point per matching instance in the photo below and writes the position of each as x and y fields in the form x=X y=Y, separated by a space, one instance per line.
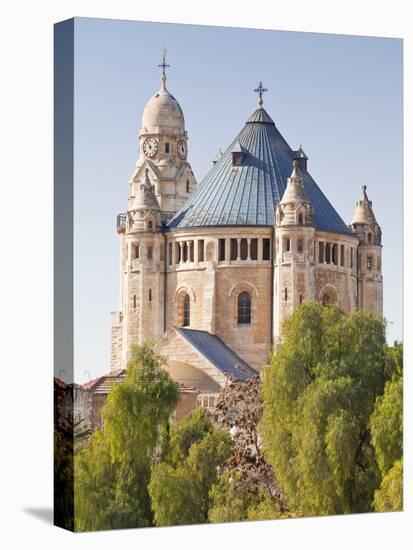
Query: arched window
x=244 y=308
x=187 y=186
x=150 y=225
x=187 y=311
x=300 y=219
x=369 y=237
x=328 y=297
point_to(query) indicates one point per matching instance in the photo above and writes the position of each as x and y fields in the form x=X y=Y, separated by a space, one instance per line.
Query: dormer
x=238 y=153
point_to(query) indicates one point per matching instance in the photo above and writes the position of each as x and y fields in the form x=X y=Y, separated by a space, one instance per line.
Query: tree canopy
x=386 y=424
x=319 y=392
x=180 y=483
x=113 y=471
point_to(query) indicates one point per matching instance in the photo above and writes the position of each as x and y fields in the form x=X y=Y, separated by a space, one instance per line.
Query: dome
x=162 y=113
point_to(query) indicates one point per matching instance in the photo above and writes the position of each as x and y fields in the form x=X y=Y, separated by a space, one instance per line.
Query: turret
x=294 y=250
x=369 y=262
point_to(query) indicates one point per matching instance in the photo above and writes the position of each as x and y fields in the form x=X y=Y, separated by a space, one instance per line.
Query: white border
x=26 y=268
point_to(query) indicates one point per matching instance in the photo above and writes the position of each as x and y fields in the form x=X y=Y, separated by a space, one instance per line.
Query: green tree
x=386 y=425
x=113 y=472
x=389 y=498
x=233 y=498
x=319 y=392
x=180 y=484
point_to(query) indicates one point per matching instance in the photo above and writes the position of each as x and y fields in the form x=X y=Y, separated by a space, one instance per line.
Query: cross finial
x=260 y=90
x=164 y=64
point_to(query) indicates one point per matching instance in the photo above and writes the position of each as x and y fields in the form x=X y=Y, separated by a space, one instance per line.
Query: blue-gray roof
x=214 y=349
x=248 y=194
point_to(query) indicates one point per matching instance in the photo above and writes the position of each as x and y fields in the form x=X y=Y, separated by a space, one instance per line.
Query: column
x=249 y=249
x=181 y=245
x=196 y=259
x=259 y=254
x=227 y=250
x=238 y=249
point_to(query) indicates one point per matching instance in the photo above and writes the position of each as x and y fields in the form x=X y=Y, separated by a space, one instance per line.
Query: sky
x=340 y=97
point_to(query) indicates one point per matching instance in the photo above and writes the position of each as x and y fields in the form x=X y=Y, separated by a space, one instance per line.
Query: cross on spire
x=260 y=90
x=164 y=64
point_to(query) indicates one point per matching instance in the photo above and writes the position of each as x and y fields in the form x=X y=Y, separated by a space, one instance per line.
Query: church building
x=209 y=271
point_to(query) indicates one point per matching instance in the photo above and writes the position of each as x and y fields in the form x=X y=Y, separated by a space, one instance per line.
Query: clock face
x=182 y=149
x=150 y=147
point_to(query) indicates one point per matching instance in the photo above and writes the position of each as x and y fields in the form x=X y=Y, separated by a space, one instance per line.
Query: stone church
x=209 y=271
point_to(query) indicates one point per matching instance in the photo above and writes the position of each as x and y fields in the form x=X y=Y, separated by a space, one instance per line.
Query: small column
x=227 y=250
x=181 y=245
x=196 y=257
x=324 y=252
x=188 y=251
x=129 y=262
x=238 y=249
x=173 y=260
x=249 y=249
x=259 y=256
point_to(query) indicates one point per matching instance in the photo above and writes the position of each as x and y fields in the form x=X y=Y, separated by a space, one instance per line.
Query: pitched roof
x=104 y=384
x=248 y=194
x=218 y=353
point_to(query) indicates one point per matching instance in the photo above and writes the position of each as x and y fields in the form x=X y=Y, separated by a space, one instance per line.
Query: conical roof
x=295 y=192
x=248 y=194
x=364 y=210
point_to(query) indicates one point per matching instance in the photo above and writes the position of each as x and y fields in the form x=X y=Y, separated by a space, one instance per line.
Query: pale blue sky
x=338 y=96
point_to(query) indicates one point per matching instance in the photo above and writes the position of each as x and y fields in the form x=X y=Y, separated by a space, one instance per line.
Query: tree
x=233 y=498
x=319 y=392
x=180 y=483
x=389 y=498
x=113 y=472
x=386 y=425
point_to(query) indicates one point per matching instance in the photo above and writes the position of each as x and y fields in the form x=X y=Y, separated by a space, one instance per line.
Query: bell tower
x=369 y=260
x=161 y=183
x=163 y=150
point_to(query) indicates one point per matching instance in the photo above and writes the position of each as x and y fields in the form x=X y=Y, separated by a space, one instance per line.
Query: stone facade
x=236 y=282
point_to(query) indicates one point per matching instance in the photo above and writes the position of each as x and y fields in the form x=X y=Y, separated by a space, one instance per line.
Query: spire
x=145 y=198
x=363 y=213
x=260 y=90
x=164 y=65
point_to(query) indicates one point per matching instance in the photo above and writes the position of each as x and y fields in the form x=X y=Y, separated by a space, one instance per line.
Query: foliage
x=267 y=508
x=234 y=498
x=387 y=425
x=231 y=498
x=389 y=497
x=319 y=392
x=112 y=473
x=180 y=484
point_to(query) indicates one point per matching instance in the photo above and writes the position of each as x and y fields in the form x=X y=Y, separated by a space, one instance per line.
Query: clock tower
x=163 y=152
x=161 y=184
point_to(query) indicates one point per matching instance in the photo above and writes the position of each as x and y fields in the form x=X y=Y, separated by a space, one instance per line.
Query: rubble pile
x=239 y=410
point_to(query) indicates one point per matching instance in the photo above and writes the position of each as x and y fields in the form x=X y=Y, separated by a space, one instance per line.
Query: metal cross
x=260 y=90
x=164 y=64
